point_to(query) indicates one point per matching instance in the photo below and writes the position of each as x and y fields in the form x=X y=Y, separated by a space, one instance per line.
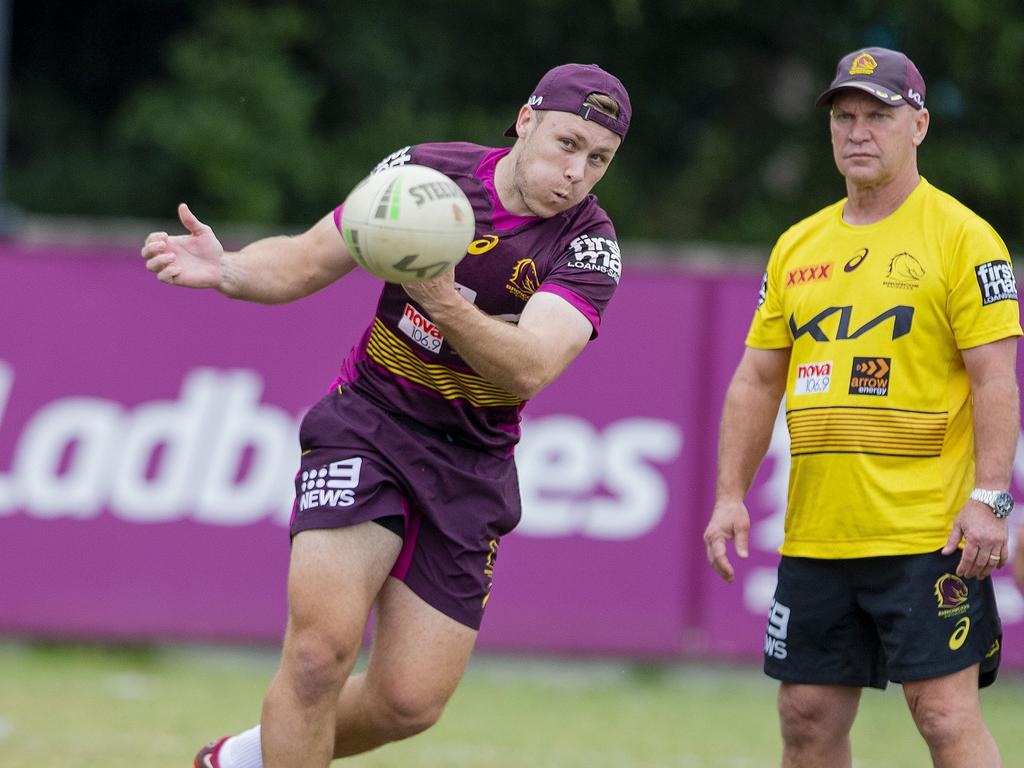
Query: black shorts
x=865 y=621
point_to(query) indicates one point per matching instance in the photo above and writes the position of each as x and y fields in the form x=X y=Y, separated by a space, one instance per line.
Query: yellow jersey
x=878 y=400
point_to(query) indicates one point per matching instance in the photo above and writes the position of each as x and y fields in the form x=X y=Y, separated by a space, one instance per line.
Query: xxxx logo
x=809 y=274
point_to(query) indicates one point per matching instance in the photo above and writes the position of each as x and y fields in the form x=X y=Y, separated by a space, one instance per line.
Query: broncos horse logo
x=905 y=267
x=950 y=591
x=524 y=281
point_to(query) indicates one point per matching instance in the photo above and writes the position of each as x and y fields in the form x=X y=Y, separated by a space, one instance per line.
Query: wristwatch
x=1001 y=502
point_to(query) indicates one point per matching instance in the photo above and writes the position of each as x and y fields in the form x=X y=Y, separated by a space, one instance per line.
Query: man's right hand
x=729 y=520
x=193 y=260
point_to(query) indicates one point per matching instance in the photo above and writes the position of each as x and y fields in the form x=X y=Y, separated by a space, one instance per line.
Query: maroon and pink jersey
x=403 y=363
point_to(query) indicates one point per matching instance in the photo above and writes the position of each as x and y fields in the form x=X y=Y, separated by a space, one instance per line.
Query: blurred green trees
x=232 y=121
x=269 y=112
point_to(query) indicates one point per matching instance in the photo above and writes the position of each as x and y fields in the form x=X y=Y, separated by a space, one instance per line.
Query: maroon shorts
x=361 y=463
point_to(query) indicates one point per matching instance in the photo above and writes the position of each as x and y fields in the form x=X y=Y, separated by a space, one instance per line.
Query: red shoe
x=207 y=757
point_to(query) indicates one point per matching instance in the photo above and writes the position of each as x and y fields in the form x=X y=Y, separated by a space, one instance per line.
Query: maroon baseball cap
x=565 y=89
x=887 y=75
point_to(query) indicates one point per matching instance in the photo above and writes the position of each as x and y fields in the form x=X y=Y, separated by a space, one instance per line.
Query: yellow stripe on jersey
x=389 y=351
x=862 y=429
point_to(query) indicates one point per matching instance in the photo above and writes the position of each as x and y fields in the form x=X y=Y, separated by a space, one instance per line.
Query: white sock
x=242 y=751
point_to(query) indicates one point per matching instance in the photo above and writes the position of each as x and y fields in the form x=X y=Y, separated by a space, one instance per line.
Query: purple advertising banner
x=148 y=440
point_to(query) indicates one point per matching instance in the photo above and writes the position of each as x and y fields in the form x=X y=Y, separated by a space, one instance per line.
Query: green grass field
x=72 y=706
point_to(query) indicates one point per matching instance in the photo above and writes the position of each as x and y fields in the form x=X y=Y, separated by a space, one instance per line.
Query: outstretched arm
x=748 y=418
x=269 y=271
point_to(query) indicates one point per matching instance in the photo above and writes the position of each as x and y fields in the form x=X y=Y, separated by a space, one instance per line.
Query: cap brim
x=884 y=95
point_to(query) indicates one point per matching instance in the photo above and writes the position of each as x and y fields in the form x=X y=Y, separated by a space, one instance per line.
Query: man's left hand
x=985 y=541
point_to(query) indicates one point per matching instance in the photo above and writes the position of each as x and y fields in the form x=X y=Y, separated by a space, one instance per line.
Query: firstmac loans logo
x=596 y=253
x=996 y=282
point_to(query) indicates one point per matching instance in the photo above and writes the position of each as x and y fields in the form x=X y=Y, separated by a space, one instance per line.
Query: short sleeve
x=982 y=302
x=585 y=274
x=768 y=329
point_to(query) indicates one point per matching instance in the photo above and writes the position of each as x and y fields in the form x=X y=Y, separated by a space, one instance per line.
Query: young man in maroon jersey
x=422 y=434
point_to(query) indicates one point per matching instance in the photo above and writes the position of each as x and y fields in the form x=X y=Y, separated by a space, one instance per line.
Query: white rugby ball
x=407 y=223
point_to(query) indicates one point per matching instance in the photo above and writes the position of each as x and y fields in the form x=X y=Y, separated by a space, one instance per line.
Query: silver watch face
x=1003 y=504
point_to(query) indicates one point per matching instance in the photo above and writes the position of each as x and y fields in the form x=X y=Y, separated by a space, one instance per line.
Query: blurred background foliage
x=268 y=112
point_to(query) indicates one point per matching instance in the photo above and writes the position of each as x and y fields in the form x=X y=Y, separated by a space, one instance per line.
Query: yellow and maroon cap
x=889 y=76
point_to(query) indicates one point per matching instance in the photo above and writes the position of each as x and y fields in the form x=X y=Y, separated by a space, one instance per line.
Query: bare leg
x=333 y=579
x=416 y=662
x=816 y=722
x=947 y=711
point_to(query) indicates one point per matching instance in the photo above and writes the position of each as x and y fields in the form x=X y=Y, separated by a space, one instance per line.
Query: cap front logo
x=534 y=101
x=864 y=65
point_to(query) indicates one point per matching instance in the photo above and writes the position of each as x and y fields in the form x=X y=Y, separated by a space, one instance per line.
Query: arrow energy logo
x=870 y=376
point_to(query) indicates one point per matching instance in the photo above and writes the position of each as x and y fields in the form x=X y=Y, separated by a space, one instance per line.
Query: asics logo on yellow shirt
x=853 y=263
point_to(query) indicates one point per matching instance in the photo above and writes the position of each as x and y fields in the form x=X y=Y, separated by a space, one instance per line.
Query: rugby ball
x=407 y=223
